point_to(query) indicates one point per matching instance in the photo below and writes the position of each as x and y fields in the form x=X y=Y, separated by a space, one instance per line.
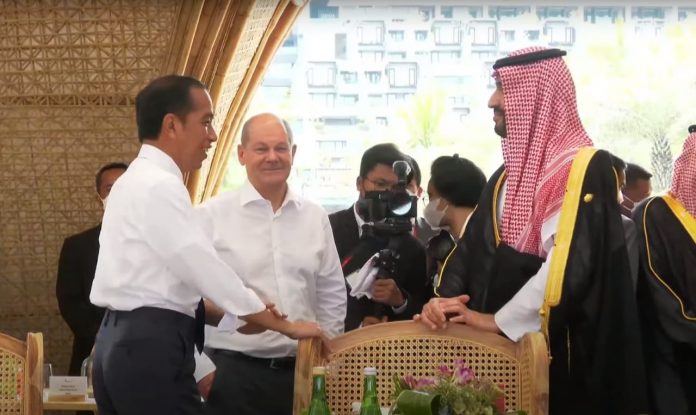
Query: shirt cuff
x=515 y=324
x=229 y=323
x=400 y=309
x=204 y=366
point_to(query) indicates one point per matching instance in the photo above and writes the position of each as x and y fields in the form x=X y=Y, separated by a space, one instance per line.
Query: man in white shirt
x=155 y=264
x=282 y=248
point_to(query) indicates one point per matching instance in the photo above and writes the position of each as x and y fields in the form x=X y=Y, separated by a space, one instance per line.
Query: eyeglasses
x=382 y=184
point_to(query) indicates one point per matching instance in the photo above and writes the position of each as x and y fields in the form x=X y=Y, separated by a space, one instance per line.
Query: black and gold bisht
x=667 y=300
x=589 y=313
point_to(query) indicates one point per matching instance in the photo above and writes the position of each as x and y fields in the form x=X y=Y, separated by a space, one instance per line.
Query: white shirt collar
x=358 y=219
x=160 y=158
x=249 y=194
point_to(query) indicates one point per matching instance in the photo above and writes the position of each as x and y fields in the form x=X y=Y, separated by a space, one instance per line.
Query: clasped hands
x=439 y=311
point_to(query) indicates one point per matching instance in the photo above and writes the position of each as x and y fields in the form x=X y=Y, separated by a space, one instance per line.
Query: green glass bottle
x=370 y=403
x=318 y=405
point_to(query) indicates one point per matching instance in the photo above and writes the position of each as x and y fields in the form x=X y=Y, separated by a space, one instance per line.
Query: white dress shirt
x=520 y=315
x=288 y=257
x=152 y=253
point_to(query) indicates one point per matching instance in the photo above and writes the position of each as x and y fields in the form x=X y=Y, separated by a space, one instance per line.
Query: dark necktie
x=199 y=335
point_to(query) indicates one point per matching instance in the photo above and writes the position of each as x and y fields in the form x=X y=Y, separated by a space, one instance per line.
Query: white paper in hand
x=360 y=281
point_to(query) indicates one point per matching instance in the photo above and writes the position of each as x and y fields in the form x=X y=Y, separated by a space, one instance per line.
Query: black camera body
x=389 y=212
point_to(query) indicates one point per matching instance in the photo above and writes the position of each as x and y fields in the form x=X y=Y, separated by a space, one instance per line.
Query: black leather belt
x=275 y=363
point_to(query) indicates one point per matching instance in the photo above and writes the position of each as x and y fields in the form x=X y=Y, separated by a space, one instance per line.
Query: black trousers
x=246 y=385
x=143 y=364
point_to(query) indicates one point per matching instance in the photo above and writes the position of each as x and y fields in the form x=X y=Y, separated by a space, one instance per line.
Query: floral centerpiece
x=453 y=391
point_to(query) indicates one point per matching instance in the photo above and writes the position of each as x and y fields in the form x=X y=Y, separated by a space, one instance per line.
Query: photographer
x=397 y=297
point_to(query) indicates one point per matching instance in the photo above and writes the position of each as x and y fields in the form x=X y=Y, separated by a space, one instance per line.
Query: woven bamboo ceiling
x=69 y=72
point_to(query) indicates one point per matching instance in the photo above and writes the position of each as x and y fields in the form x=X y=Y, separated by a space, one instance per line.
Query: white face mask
x=432 y=215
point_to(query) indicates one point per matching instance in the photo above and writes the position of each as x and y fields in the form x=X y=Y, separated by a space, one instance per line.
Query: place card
x=67 y=388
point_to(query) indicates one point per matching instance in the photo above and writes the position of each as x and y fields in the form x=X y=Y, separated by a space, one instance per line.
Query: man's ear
x=169 y=125
x=359 y=184
x=240 y=154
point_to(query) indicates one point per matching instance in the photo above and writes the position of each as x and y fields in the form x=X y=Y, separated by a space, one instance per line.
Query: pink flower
x=464 y=375
x=423 y=382
x=445 y=371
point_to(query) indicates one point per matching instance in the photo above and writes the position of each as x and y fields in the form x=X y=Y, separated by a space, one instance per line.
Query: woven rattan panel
x=11 y=375
x=417 y=356
x=256 y=26
x=69 y=72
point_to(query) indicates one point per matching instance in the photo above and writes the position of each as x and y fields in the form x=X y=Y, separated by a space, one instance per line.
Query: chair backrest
x=21 y=375
x=404 y=348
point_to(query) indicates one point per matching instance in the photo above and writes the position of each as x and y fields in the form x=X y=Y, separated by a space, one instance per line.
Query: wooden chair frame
x=525 y=362
x=30 y=356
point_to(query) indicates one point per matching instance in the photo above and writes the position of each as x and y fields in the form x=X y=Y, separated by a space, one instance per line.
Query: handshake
x=269 y=319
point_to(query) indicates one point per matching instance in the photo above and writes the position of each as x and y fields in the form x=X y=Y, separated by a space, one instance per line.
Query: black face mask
x=439 y=246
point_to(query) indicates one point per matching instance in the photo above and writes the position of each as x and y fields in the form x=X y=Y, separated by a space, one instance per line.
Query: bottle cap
x=370 y=371
x=318 y=370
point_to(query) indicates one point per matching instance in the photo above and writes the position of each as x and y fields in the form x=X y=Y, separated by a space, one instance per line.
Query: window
x=532 y=34
x=397 y=55
x=322 y=12
x=290 y=41
x=476 y=12
x=349 y=77
x=687 y=13
x=375 y=100
x=509 y=35
x=373 y=77
x=402 y=75
x=447 y=11
x=371 y=33
x=321 y=99
x=559 y=34
x=371 y=56
x=381 y=121
x=332 y=145
x=394 y=99
x=348 y=100
x=321 y=74
x=396 y=35
x=447 y=33
x=483 y=33
x=554 y=12
x=426 y=13
x=421 y=35
x=341 y=42
x=604 y=14
x=499 y=12
x=445 y=56
x=648 y=13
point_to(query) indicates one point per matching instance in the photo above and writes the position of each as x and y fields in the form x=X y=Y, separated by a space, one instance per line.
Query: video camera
x=389 y=212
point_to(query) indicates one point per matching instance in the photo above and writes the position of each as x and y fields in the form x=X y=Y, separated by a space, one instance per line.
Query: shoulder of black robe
x=589 y=307
x=667 y=302
x=483 y=266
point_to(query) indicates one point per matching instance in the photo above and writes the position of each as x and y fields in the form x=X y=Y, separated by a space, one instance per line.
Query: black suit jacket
x=76 y=267
x=410 y=269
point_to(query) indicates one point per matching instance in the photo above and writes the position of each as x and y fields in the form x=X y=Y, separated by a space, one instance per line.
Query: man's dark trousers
x=144 y=364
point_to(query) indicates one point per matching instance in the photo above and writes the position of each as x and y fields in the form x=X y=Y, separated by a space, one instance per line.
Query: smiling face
x=497 y=104
x=266 y=152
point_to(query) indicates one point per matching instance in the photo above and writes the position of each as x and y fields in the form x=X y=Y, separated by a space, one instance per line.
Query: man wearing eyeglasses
x=402 y=296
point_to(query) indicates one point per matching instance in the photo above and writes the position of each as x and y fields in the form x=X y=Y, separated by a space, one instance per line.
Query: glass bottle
x=318 y=405
x=370 y=403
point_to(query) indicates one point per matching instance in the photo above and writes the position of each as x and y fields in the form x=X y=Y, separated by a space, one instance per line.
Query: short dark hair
x=106 y=167
x=385 y=153
x=634 y=173
x=416 y=170
x=457 y=180
x=617 y=163
x=170 y=94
